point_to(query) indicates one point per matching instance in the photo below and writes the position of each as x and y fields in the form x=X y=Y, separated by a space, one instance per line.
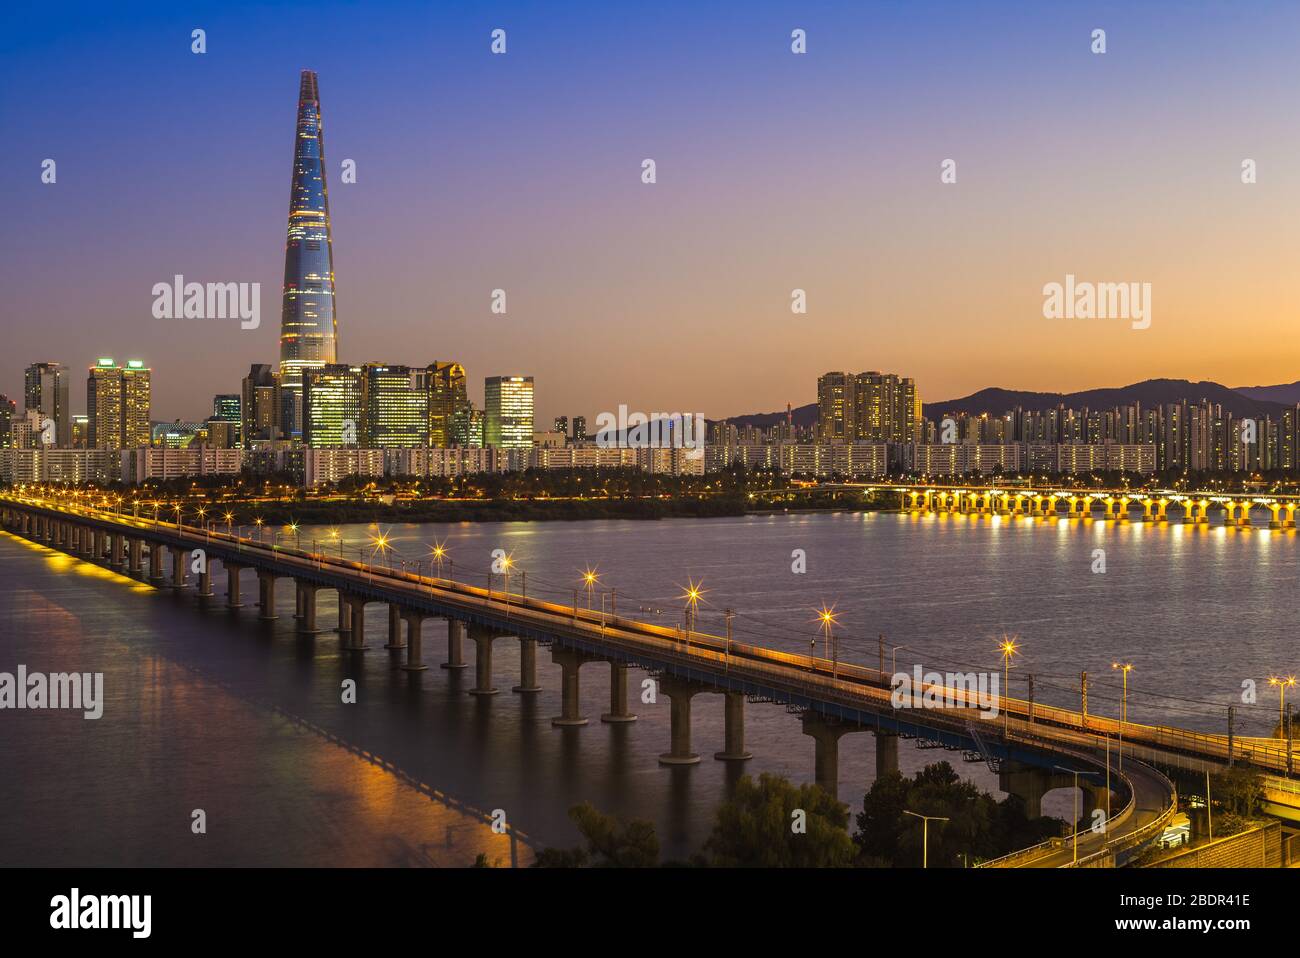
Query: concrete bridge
x=1116 y=505
x=1026 y=746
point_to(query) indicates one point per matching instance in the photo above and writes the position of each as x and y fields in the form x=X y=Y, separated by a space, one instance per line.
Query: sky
x=774 y=172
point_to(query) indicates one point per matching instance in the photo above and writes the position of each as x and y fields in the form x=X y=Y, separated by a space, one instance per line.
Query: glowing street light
x=692 y=592
x=1284 y=727
x=1008 y=648
x=828 y=621
x=590 y=579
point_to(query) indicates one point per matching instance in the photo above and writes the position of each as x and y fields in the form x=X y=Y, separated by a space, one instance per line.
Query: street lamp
x=1076 y=773
x=925 y=833
x=1284 y=727
x=1124 y=668
x=1008 y=648
x=439 y=552
x=691 y=593
x=828 y=621
x=590 y=579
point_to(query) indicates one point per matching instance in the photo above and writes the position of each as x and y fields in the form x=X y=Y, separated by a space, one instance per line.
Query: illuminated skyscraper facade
x=332 y=406
x=395 y=407
x=45 y=388
x=508 y=412
x=308 y=325
x=448 y=405
x=118 y=404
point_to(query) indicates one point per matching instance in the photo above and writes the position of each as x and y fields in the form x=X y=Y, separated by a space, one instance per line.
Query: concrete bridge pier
x=266 y=595
x=205 y=581
x=886 y=754
x=155 y=564
x=354 y=636
x=233 y=600
x=117 y=557
x=679 y=694
x=345 y=618
x=135 y=556
x=618 y=695
x=178 y=567
x=1030 y=783
x=482 y=637
x=395 y=638
x=98 y=540
x=1094 y=797
x=826 y=735
x=733 y=748
x=306 y=593
x=455 y=645
x=414 y=642
x=527 y=668
x=570 y=663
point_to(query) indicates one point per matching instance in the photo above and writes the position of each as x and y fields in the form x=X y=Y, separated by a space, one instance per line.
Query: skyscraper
x=508 y=412
x=394 y=406
x=448 y=405
x=308 y=325
x=332 y=405
x=45 y=387
x=118 y=405
x=260 y=405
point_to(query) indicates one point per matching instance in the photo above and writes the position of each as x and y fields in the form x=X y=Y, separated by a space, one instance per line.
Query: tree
x=772 y=823
x=611 y=843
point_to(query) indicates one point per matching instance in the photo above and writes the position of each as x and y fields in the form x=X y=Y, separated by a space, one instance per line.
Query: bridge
x=1115 y=505
x=1032 y=747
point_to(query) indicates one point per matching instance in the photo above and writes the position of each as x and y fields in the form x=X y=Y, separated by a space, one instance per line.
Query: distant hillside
x=1246 y=401
x=1151 y=392
x=803 y=416
x=1288 y=393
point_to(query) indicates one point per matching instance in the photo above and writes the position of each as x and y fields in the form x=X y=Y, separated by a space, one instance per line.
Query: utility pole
x=1031 y=698
x=1232 y=714
x=882 y=655
x=727 y=614
x=1083 y=688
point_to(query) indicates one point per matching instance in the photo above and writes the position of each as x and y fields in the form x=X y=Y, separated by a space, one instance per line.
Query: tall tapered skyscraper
x=308 y=325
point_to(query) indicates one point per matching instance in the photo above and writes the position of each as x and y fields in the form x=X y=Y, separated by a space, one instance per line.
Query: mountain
x=803 y=416
x=1150 y=392
x=1249 y=401
x=1288 y=393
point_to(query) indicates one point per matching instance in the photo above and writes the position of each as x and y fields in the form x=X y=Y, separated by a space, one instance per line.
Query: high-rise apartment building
x=260 y=404
x=118 y=402
x=868 y=407
x=308 y=324
x=45 y=388
x=508 y=412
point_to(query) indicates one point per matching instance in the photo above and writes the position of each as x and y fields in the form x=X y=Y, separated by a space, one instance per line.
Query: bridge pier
x=306 y=593
x=266 y=595
x=527 y=668
x=205 y=580
x=155 y=564
x=482 y=637
x=354 y=636
x=618 y=695
x=345 y=618
x=117 y=559
x=679 y=694
x=886 y=754
x=1094 y=797
x=826 y=735
x=178 y=567
x=395 y=638
x=733 y=748
x=1030 y=783
x=570 y=663
x=233 y=600
x=455 y=645
x=135 y=556
x=98 y=540
x=414 y=642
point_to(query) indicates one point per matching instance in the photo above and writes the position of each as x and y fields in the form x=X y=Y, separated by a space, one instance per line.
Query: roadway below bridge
x=1027 y=744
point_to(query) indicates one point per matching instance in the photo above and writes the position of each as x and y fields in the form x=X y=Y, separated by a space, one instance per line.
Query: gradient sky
x=775 y=171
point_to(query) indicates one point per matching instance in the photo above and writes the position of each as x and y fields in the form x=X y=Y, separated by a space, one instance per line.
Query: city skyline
x=891 y=278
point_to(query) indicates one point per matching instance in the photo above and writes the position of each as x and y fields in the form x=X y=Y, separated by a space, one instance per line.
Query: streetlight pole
x=1124 y=669
x=925 y=834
